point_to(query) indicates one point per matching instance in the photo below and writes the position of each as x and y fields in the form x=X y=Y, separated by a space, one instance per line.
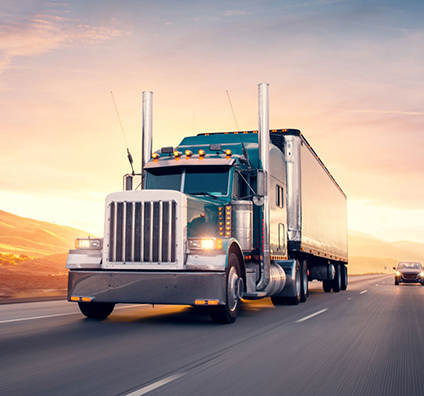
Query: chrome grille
x=142 y=232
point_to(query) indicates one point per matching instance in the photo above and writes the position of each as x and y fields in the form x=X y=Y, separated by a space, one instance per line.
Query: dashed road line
x=311 y=316
x=155 y=385
x=363 y=291
x=62 y=314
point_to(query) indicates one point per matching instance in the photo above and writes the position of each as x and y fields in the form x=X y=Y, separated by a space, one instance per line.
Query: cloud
x=44 y=32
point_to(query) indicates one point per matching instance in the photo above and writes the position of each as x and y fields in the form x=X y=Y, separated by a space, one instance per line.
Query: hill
x=43 y=248
x=33 y=277
x=20 y=235
x=368 y=254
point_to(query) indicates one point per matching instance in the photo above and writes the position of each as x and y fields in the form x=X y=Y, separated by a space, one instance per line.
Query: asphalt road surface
x=368 y=340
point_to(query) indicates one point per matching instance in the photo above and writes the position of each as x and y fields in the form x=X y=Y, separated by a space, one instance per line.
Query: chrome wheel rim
x=231 y=294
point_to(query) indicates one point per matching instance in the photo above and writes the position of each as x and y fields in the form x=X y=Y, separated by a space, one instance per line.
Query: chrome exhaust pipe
x=146 y=129
x=263 y=142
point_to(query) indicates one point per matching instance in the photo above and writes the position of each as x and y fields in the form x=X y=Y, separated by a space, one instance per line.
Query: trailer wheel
x=228 y=313
x=304 y=291
x=96 y=310
x=336 y=282
x=344 y=277
x=326 y=285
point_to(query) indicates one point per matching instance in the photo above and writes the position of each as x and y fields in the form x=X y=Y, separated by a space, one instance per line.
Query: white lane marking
x=37 y=317
x=311 y=316
x=350 y=298
x=62 y=314
x=149 y=388
x=363 y=291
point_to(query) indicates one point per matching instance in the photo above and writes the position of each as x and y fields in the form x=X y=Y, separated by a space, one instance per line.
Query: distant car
x=409 y=272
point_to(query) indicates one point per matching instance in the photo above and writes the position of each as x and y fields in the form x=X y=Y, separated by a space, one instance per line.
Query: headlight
x=205 y=243
x=88 y=243
x=398 y=273
x=422 y=274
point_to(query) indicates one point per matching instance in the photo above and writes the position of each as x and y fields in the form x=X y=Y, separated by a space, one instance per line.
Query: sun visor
x=192 y=161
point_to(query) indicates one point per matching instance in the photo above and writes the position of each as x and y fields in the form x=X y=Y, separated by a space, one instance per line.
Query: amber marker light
x=201 y=153
x=74 y=298
x=228 y=152
x=188 y=153
x=155 y=155
x=176 y=153
x=86 y=299
x=218 y=244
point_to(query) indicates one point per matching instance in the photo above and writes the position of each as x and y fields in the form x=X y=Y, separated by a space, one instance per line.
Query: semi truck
x=223 y=217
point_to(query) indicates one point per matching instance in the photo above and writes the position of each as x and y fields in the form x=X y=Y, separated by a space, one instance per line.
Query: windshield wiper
x=204 y=193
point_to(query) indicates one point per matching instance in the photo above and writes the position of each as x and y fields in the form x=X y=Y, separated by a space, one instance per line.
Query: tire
x=277 y=300
x=304 y=282
x=344 y=277
x=396 y=282
x=297 y=286
x=228 y=313
x=326 y=285
x=96 y=310
x=336 y=282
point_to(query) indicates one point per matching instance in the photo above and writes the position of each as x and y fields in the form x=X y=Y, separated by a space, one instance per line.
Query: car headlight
x=88 y=243
x=205 y=244
x=422 y=274
x=398 y=273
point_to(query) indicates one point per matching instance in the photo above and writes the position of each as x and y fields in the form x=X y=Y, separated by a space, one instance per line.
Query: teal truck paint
x=221 y=218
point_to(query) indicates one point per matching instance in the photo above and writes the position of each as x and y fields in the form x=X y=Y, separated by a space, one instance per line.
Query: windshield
x=416 y=266
x=163 y=179
x=195 y=180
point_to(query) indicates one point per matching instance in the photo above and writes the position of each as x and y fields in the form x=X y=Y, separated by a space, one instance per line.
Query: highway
x=368 y=340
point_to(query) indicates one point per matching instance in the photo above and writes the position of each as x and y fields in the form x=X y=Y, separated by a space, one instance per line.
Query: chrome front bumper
x=147 y=287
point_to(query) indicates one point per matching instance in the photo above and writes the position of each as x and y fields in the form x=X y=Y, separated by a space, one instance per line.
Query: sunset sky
x=348 y=73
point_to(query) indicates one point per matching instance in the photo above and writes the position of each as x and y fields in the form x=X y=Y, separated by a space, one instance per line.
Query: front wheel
x=228 y=313
x=94 y=310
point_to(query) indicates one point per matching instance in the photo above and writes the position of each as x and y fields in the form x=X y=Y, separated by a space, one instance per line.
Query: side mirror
x=261 y=188
x=394 y=268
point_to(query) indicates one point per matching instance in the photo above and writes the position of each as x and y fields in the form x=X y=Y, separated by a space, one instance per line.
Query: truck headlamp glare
x=88 y=243
x=205 y=243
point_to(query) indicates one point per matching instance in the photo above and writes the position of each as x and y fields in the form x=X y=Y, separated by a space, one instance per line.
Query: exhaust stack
x=147 y=129
x=263 y=142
